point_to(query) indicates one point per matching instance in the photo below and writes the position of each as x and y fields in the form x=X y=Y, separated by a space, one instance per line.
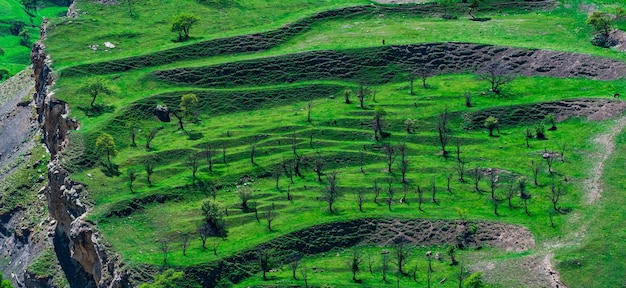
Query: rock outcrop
x=85 y=261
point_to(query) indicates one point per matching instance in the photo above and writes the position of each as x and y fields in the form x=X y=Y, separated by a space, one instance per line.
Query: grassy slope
x=129 y=234
x=17 y=56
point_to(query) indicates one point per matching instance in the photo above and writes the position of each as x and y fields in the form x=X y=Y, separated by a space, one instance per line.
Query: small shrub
x=474 y=280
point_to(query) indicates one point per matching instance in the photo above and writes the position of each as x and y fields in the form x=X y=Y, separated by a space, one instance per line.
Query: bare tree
x=296 y=165
x=389 y=193
x=377 y=123
x=331 y=193
x=493 y=179
x=529 y=135
x=458 y=149
x=443 y=131
x=478 y=174
x=304 y=272
x=377 y=190
x=354 y=263
x=434 y=190
x=390 y=156
x=319 y=165
x=448 y=178
x=384 y=268
x=549 y=157
x=556 y=192
x=496 y=75
x=370 y=263
x=420 y=198
x=224 y=154
x=204 y=231
x=404 y=162
x=451 y=251
x=511 y=192
x=276 y=172
x=270 y=216
x=265 y=260
x=362 y=154
x=215 y=245
x=535 y=168
x=460 y=167
x=359 y=195
x=132 y=176
x=164 y=245
x=362 y=93
x=151 y=137
x=562 y=147
x=294 y=143
x=468 y=99
x=149 y=166
x=424 y=73
x=294 y=262
x=252 y=152
x=346 y=95
x=401 y=252
x=194 y=164
x=430 y=266
x=525 y=196
x=209 y=153
x=185 y=243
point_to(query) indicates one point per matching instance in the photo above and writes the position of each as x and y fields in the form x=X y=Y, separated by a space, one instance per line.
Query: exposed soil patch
x=422 y=232
x=530 y=271
x=389 y=63
x=594 y=109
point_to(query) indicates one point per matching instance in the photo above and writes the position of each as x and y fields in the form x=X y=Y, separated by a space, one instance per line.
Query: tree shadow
x=94 y=111
x=110 y=170
x=194 y=135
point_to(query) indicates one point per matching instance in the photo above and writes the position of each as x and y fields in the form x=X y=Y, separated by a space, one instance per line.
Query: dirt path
x=607 y=146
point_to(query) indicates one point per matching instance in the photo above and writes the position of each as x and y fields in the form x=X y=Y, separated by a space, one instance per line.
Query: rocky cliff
x=84 y=259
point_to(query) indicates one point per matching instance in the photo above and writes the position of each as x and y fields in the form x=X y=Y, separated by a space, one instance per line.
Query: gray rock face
x=162 y=113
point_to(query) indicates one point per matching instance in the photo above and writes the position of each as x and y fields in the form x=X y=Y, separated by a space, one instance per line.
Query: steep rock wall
x=89 y=263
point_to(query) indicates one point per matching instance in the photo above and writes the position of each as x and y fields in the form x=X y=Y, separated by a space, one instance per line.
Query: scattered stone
x=162 y=113
x=109 y=45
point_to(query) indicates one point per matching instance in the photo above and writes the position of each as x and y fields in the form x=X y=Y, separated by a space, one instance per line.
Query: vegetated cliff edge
x=84 y=259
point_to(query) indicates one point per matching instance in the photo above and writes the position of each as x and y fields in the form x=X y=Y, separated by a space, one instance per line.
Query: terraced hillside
x=350 y=140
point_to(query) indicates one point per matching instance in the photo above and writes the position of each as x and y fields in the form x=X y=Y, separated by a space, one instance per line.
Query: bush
x=604 y=41
x=474 y=280
x=16 y=27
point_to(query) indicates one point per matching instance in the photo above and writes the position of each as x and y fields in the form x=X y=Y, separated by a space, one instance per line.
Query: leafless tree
x=468 y=99
x=252 y=151
x=511 y=192
x=361 y=93
x=370 y=263
x=535 y=168
x=149 y=166
x=294 y=263
x=151 y=137
x=194 y=164
x=493 y=179
x=443 y=131
x=276 y=172
x=331 y=193
x=346 y=95
x=354 y=263
x=478 y=174
x=424 y=73
x=294 y=143
x=215 y=245
x=319 y=165
x=401 y=251
x=404 y=162
x=164 y=245
x=525 y=196
x=265 y=260
x=389 y=193
x=529 y=135
x=359 y=196
x=549 y=160
x=562 y=148
x=204 y=231
x=362 y=154
x=433 y=186
x=377 y=190
x=304 y=272
x=496 y=75
x=390 y=156
x=296 y=165
x=460 y=167
x=420 y=198
x=270 y=216
x=209 y=153
x=185 y=243
x=132 y=176
x=458 y=149
x=556 y=192
x=224 y=154
x=448 y=178
x=384 y=268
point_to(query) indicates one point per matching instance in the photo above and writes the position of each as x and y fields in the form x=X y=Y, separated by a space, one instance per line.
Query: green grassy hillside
x=264 y=84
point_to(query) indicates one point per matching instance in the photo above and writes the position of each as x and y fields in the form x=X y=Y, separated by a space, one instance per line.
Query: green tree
x=105 y=144
x=5 y=283
x=24 y=37
x=4 y=74
x=474 y=280
x=1 y=52
x=214 y=218
x=16 y=27
x=601 y=23
x=189 y=105
x=182 y=23
x=168 y=279
x=491 y=123
x=95 y=87
x=30 y=5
